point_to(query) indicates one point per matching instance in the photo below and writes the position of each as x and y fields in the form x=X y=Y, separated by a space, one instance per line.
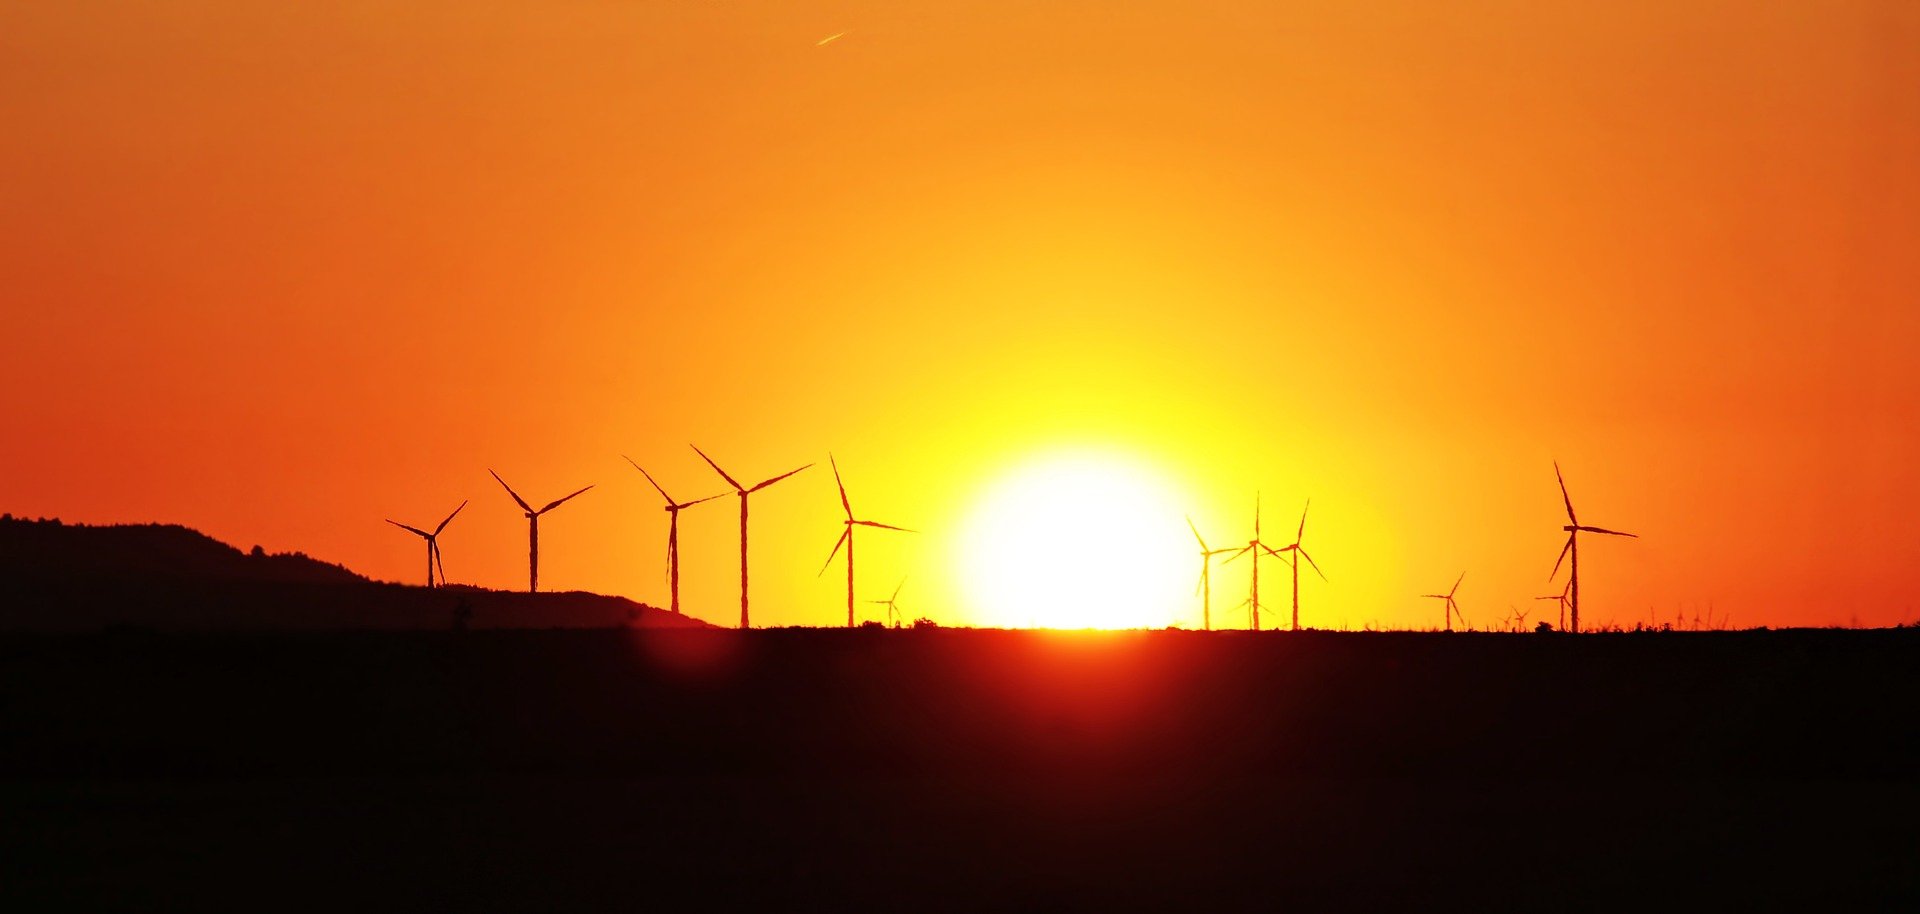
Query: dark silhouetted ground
x=958 y=770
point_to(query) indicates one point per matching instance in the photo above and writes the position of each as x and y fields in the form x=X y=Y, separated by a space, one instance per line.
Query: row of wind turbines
x=673 y=509
x=1568 y=599
x=1292 y=553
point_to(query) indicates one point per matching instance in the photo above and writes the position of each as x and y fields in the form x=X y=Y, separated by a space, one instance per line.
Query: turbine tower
x=1574 y=528
x=533 y=529
x=846 y=536
x=433 y=544
x=891 y=603
x=673 y=532
x=1205 y=587
x=1300 y=552
x=1254 y=546
x=1452 y=609
x=744 y=492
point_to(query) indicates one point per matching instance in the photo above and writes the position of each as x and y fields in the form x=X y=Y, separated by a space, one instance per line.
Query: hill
x=72 y=577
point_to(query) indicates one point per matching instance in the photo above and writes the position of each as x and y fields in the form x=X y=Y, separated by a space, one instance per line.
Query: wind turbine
x=433 y=544
x=1206 y=576
x=893 y=610
x=533 y=529
x=1560 y=598
x=846 y=536
x=1519 y=618
x=1453 y=609
x=744 y=492
x=1574 y=528
x=1300 y=552
x=1254 y=546
x=673 y=532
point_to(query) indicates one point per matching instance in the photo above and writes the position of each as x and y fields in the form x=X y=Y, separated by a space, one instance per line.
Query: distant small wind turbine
x=1299 y=553
x=846 y=536
x=1205 y=587
x=892 y=604
x=743 y=492
x=533 y=529
x=1255 y=546
x=673 y=532
x=1574 y=528
x=433 y=544
x=1561 y=599
x=1452 y=609
x=1517 y=617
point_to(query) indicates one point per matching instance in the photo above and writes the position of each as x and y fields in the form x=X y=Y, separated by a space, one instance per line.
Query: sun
x=1077 y=540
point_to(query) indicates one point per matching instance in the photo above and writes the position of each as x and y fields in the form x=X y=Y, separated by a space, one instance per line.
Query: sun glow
x=1077 y=540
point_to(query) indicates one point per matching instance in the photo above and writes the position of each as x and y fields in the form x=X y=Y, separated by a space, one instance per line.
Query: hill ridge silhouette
x=56 y=576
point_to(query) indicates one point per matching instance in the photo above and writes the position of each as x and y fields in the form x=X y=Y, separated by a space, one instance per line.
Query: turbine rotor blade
x=1456 y=585
x=836 y=551
x=560 y=501
x=1609 y=532
x=777 y=478
x=656 y=486
x=1563 y=493
x=873 y=523
x=845 y=505
x=689 y=504
x=716 y=467
x=1303 y=523
x=516 y=496
x=410 y=529
x=1313 y=564
x=1562 y=558
x=1196 y=535
x=449 y=520
x=437 y=560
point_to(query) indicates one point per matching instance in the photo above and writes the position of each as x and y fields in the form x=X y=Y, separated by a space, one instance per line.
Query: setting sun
x=1076 y=540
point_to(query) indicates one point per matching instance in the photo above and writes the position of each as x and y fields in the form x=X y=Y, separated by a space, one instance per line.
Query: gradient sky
x=278 y=273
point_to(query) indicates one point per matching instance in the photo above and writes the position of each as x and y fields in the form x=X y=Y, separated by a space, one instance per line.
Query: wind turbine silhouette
x=1560 y=598
x=1574 y=528
x=1206 y=577
x=1518 y=617
x=893 y=610
x=673 y=532
x=744 y=492
x=1299 y=553
x=1254 y=546
x=846 y=536
x=1452 y=609
x=433 y=544
x=533 y=529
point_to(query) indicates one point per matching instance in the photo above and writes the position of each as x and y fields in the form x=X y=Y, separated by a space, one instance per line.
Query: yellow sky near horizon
x=281 y=273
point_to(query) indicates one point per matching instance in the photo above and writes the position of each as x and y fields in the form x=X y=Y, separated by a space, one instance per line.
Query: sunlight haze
x=280 y=272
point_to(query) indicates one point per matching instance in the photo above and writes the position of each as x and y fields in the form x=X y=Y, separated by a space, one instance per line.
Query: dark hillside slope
x=68 y=577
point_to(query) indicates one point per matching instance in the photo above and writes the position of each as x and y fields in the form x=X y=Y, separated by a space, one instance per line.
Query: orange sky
x=279 y=273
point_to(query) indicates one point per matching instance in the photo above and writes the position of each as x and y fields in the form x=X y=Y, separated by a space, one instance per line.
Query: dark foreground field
x=818 y=770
